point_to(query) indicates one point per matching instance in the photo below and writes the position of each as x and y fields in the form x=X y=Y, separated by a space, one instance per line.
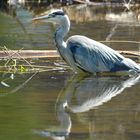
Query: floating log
x=17 y=54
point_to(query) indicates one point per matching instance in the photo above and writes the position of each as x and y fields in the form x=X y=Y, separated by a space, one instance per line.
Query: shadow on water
x=81 y=95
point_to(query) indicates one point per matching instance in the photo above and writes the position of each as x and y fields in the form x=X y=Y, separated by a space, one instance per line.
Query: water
x=58 y=105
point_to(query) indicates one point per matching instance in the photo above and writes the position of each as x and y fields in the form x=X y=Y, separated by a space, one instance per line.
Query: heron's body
x=87 y=55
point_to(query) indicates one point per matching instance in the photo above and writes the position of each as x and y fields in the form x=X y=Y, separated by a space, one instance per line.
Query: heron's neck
x=61 y=32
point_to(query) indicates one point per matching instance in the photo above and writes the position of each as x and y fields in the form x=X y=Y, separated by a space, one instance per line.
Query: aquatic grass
x=20 y=65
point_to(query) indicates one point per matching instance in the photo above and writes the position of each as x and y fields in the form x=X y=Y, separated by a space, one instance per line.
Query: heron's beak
x=41 y=18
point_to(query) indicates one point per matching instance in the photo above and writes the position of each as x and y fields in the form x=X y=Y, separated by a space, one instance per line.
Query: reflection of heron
x=82 y=94
x=91 y=92
x=62 y=131
x=84 y=54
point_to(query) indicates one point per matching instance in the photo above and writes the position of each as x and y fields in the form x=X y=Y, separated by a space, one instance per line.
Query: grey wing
x=93 y=56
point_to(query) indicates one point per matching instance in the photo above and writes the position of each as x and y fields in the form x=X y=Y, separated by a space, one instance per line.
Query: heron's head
x=55 y=16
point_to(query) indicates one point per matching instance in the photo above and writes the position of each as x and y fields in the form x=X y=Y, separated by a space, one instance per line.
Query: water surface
x=56 y=105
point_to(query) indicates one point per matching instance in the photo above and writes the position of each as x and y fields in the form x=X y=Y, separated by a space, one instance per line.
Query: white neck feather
x=61 y=32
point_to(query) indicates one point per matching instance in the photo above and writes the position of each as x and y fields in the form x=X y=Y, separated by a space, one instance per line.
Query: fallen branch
x=46 y=54
x=28 y=54
x=130 y=53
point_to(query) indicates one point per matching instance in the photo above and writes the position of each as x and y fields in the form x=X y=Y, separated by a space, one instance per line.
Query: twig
x=112 y=32
x=121 y=41
x=20 y=86
x=10 y=55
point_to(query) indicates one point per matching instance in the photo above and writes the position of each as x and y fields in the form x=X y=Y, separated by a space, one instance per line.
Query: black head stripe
x=59 y=13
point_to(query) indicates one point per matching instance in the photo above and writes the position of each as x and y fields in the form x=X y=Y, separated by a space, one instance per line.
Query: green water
x=58 y=105
x=62 y=105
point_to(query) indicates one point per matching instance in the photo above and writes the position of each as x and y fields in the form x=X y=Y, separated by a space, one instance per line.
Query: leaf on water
x=4 y=84
x=12 y=76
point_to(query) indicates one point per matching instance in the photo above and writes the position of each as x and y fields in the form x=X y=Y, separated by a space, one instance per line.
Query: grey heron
x=84 y=54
